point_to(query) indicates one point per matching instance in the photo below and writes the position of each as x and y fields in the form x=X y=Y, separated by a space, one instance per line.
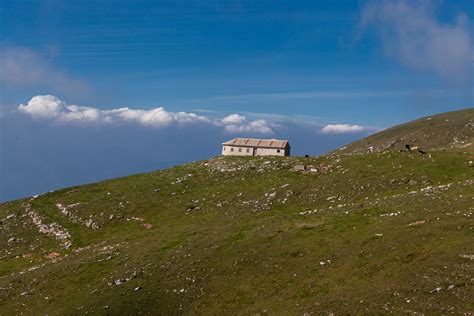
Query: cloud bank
x=67 y=151
x=48 y=107
x=42 y=154
x=411 y=33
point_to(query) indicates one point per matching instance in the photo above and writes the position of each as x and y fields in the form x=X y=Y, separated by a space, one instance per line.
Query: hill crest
x=451 y=131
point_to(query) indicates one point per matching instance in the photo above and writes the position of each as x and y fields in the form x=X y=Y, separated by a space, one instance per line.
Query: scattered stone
x=52 y=255
x=299 y=168
x=309 y=212
x=147 y=226
x=391 y=214
x=470 y=257
x=437 y=290
x=416 y=223
x=65 y=210
x=119 y=281
x=52 y=229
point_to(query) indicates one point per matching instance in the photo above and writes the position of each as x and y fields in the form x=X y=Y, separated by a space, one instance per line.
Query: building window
x=240 y=150
x=278 y=150
x=232 y=149
x=224 y=148
x=248 y=150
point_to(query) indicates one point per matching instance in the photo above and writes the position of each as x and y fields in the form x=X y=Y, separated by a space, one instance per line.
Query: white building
x=255 y=147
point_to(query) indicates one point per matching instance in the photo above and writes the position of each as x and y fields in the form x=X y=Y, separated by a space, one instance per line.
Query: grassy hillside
x=453 y=131
x=383 y=232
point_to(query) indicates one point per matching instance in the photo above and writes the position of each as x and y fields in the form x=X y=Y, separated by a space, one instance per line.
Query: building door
x=254 y=152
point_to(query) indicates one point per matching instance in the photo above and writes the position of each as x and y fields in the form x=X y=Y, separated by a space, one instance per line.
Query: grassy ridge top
x=452 y=131
x=384 y=232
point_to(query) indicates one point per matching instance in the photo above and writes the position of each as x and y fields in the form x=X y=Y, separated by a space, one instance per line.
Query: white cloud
x=48 y=107
x=342 y=129
x=82 y=113
x=51 y=107
x=236 y=123
x=156 y=117
x=43 y=106
x=22 y=68
x=234 y=119
x=257 y=126
x=411 y=33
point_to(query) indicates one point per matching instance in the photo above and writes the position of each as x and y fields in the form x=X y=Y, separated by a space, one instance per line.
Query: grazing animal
x=415 y=148
x=407 y=146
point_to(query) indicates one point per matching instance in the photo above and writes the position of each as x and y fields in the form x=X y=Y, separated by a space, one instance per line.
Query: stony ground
x=385 y=232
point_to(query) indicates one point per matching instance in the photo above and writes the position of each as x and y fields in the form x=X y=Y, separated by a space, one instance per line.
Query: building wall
x=246 y=151
x=236 y=151
x=270 y=152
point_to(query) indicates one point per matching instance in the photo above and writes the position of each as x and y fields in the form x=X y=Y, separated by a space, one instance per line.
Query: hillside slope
x=383 y=232
x=453 y=131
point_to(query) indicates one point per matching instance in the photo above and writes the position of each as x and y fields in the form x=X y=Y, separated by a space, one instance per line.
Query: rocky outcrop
x=52 y=229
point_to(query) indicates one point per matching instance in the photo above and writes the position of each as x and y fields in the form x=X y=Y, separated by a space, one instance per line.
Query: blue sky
x=286 y=68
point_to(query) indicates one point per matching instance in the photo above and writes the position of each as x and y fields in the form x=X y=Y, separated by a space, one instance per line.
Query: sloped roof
x=251 y=142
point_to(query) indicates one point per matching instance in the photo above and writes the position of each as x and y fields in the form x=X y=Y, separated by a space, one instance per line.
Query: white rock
x=437 y=290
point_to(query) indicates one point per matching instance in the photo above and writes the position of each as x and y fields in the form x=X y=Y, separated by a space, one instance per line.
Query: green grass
x=241 y=250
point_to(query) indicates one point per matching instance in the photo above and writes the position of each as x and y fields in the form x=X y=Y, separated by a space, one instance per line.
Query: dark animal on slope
x=409 y=148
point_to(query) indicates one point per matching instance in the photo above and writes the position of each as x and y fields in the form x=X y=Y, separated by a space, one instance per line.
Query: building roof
x=250 y=142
